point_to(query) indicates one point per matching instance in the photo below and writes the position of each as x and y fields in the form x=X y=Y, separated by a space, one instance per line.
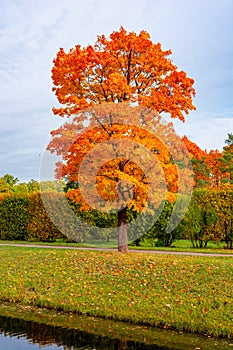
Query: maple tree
x=213 y=162
x=123 y=67
x=220 y=164
x=210 y=168
x=127 y=70
x=198 y=158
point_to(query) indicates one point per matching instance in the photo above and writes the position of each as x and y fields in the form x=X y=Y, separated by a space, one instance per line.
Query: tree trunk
x=122 y=232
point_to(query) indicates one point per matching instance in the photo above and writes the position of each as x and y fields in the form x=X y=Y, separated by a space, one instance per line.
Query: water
x=20 y=343
x=24 y=335
x=16 y=333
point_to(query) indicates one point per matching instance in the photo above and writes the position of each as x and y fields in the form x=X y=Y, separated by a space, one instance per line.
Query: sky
x=199 y=33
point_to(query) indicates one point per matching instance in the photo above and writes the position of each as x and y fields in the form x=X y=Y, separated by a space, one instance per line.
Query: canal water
x=20 y=333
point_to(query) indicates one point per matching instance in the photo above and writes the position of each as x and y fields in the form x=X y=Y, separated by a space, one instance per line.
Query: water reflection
x=28 y=328
x=20 y=334
x=21 y=343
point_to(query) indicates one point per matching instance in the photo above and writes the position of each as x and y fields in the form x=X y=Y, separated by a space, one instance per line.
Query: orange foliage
x=215 y=166
x=141 y=158
x=195 y=151
x=198 y=157
x=208 y=166
x=123 y=67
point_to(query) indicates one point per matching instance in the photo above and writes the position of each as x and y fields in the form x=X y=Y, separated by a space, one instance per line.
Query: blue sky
x=199 y=33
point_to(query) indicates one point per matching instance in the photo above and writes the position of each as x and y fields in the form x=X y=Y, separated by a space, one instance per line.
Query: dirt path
x=112 y=249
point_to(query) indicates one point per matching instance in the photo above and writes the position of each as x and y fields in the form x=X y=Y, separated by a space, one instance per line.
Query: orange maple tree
x=213 y=161
x=210 y=168
x=123 y=67
x=199 y=162
x=126 y=70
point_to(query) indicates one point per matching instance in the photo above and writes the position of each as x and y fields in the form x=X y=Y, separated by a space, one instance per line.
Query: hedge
x=40 y=227
x=23 y=217
x=14 y=217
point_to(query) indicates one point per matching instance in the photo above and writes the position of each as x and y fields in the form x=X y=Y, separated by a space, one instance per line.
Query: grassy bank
x=58 y=323
x=179 y=292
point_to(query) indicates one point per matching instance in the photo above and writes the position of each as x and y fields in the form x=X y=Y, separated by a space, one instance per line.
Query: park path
x=112 y=249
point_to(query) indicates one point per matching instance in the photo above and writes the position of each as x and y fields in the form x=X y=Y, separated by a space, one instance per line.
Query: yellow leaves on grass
x=139 y=287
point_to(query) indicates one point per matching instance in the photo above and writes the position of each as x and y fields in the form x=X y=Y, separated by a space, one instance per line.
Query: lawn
x=185 y=293
x=178 y=245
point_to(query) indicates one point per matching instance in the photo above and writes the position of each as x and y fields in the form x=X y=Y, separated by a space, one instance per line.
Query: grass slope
x=179 y=292
x=99 y=327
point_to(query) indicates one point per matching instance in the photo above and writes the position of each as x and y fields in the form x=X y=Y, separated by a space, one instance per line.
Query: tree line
x=209 y=216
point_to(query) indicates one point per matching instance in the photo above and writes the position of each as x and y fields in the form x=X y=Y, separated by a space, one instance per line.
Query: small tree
x=223 y=201
x=158 y=234
x=33 y=186
x=5 y=188
x=11 y=180
x=198 y=158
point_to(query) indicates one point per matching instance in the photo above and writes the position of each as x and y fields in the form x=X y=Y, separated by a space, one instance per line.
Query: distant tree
x=214 y=167
x=11 y=180
x=33 y=186
x=54 y=185
x=199 y=223
x=214 y=164
x=222 y=199
x=5 y=187
x=227 y=159
x=21 y=187
x=229 y=140
x=198 y=158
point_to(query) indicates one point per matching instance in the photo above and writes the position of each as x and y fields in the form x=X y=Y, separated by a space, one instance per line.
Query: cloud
x=199 y=34
x=208 y=131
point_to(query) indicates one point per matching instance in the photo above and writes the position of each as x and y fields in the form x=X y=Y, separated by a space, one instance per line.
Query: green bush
x=210 y=216
x=14 y=218
x=157 y=235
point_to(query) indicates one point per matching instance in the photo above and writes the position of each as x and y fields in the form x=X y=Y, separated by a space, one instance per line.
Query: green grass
x=182 y=245
x=179 y=246
x=179 y=292
x=63 y=242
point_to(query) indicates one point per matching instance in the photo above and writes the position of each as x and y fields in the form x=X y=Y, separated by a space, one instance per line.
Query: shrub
x=14 y=217
x=40 y=227
x=210 y=216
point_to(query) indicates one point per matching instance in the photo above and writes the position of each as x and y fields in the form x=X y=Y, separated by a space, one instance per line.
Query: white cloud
x=198 y=32
x=208 y=131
